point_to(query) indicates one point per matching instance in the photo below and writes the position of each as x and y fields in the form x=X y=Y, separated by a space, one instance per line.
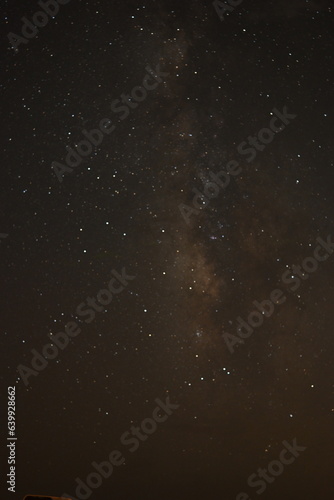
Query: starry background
x=162 y=336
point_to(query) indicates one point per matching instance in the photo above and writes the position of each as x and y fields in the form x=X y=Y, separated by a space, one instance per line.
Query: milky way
x=196 y=279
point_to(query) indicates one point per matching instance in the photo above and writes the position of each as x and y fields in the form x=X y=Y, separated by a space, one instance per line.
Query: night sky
x=177 y=273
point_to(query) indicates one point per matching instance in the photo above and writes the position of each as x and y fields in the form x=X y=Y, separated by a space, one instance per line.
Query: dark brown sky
x=164 y=334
